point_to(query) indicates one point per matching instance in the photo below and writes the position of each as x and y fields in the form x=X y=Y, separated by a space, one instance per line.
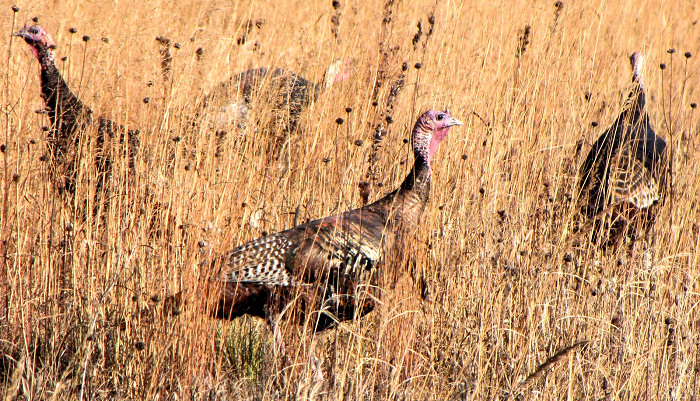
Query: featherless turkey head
x=430 y=129
x=637 y=60
x=41 y=42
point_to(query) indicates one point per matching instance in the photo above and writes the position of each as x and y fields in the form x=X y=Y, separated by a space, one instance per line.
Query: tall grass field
x=501 y=295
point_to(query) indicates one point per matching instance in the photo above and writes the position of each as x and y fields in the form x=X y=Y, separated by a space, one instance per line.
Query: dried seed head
x=523 y=41
x=389 y=119
x=335 y=4
x=594 y=124
x=140 y=345
x=105 y=39
x=358 y=142
x=146 y=100
x=671 y=51
x=662 y=66
x=693 y=105
x=86 y=38
x=35 y=19
x=15 y=9
x=464 y=156
x=72 y=30
x=339 y=121
x=375 y=103
x=326 y=159
x=177 y=45
x=417 y=36
x=502 y=214
x=348 y=109
x=688 y=55
x=405 y=140
x=418 y=66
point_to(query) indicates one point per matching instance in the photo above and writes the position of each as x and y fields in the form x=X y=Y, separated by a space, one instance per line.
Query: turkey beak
x=452 y=121
x=22 y=33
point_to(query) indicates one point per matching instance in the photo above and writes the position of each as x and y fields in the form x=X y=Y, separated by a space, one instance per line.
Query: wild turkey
x=627 y=168
x=68 y=115
x=318 y=266
x=288 y=94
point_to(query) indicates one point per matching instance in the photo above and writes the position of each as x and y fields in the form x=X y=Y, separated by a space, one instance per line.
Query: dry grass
x=506 y=291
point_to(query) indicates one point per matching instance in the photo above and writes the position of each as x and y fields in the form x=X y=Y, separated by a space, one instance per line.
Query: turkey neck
x=63 y=106
x=633 y=122
x=409 y=200
x=635 y=109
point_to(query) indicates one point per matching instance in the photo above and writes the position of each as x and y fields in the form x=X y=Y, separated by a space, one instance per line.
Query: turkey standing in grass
x=319 y=267
x=287 y=93
x=68 y=115
x=627 y=169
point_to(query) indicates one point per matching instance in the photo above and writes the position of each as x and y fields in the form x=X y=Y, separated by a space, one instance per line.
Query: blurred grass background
x=508 y=284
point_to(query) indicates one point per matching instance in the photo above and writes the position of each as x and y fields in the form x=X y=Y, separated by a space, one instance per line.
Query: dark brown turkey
x=68 y=115
x=319 y=267
x=627 y=169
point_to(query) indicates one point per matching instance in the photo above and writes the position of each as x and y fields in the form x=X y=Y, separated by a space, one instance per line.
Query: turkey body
x=287 y=94
x=323 y=262
x=275 y=98
x=627 y=168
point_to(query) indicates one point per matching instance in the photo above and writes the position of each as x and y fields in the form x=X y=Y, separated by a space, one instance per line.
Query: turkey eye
x=440 y=117
x=33 y=31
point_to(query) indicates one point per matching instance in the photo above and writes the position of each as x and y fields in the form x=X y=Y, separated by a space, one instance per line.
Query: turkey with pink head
x=68 y=114
x=324 y=267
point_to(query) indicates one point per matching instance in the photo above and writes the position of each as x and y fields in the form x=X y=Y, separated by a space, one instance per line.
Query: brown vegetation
x=499 y=289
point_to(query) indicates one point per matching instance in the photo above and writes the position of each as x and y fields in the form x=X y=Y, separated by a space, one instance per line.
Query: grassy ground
x=507 y=283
